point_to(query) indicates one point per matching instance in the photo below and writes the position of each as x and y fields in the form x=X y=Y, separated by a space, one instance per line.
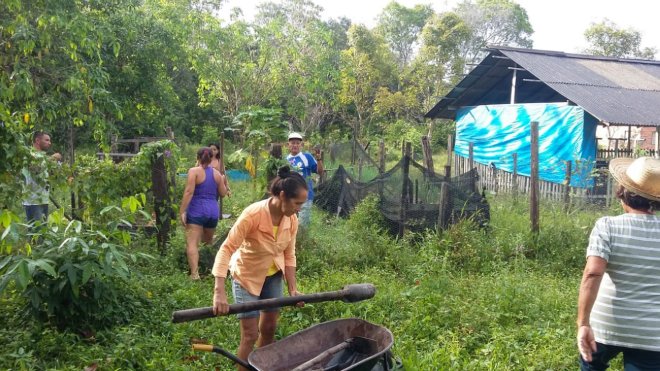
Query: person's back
x=619 y=300
x=626 y=310
x=204 y=202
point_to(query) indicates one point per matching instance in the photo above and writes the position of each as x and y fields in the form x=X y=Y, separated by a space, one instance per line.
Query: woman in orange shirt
x=263 y=240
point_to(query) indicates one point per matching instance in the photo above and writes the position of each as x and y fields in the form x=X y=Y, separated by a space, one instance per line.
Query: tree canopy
x=607 y=39
x=135 y=67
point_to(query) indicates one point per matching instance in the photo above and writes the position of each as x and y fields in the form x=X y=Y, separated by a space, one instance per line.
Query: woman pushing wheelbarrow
x=259 y=252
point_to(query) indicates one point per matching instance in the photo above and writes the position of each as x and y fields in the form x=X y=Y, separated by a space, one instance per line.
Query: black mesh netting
x=353 y=158
x=416 y=201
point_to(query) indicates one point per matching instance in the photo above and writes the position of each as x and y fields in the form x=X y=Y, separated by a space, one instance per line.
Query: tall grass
x=498 y=298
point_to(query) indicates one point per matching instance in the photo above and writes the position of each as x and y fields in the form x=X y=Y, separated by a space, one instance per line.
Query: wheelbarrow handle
x=350 y=294
x=217 y=349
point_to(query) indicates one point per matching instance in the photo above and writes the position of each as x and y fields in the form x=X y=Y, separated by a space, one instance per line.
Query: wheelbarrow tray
x=304 y=345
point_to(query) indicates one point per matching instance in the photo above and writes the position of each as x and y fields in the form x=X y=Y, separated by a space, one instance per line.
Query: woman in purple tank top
x=199 y=206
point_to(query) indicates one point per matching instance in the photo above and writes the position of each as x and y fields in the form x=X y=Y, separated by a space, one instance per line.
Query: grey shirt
x=627 y=309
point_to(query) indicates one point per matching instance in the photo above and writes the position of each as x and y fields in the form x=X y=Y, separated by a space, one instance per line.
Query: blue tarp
x=498 y=131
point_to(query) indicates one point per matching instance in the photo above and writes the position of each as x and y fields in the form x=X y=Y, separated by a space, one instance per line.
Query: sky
x=558 y=24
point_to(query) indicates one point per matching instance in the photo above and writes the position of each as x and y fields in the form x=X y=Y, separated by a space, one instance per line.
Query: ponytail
x=204 y=155
x=288 y=181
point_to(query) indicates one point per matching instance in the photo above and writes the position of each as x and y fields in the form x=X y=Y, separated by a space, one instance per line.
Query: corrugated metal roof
x=615 y=91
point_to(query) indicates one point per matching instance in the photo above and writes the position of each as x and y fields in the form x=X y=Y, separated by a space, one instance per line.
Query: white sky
x=558 y=24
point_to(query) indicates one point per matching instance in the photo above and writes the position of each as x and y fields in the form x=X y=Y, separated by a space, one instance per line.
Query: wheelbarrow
x=343 y=344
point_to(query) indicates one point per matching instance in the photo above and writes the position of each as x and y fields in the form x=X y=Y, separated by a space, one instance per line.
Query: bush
x=75 y=276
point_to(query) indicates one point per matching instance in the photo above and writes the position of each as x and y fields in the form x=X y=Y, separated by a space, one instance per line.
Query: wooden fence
x=613 y=153
x=500 y=181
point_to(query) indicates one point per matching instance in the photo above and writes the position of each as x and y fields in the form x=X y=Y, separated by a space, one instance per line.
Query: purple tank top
x=204 y=202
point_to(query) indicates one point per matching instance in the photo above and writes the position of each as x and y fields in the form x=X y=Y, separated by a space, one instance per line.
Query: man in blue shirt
x=305 y=164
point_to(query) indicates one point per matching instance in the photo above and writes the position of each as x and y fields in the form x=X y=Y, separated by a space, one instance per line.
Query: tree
x=439 y=64
x=51 y=65
x=607 y=39
x=365 y=66
x=306 y=64
x=400 y=27
x=493 y=22
x=235 y=68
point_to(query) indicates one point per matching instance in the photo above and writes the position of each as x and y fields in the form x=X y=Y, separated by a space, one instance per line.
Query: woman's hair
x=634 y=200
x=216 y=145
x=288 y=181
x=204 y=156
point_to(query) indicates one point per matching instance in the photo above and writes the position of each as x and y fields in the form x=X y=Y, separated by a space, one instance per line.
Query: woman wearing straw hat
x=619 y=301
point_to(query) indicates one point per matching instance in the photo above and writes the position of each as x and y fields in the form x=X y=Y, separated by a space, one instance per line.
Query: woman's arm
x=221 y=182
x=591 y=278
x=220 y=305
x=290 y=276
x=187 y=194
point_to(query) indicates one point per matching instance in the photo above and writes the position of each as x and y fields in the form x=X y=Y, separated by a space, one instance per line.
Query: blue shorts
x=633 y=359
x=204 y=221
x=272 y=289
x=35 y=213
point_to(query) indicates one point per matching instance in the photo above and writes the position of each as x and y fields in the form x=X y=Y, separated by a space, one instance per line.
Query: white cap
x=295 y=135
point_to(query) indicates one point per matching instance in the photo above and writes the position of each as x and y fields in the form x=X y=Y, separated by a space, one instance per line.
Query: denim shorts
x=305 y=214
x=35 y=213
x=633 y=359
x=272 y=289
x=204 y=221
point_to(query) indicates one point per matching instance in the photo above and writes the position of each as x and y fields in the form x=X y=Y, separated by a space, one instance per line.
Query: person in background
x=218 y=164
x=260 y=250
x=37 y=196
x=619 y=300
x=199 y=206
x=305 y=164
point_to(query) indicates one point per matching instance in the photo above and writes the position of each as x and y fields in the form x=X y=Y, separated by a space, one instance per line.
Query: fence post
x=608 y=195
x=495 y=181
x=381 y=157
x=534 y=178
x=360 y=169
x=567 y=186
x=450 y=148
x=444 y=207
x=162 y=202
x=221 y=152
x=471 y=156
x=657 y=142
x=616 y=147
x=404 y=188
x=428 y=155
x=514 y=176
x=113 y=143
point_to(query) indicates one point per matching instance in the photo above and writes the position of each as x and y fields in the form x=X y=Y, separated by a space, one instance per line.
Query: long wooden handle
x=323 y=355
x=350 y=293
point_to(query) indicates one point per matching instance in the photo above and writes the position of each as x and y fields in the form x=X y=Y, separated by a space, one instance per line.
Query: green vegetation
x=94 y=291
x=467 y=299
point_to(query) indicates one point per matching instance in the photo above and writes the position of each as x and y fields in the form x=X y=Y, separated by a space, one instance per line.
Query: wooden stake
x=404 y=187
x=534 y=178
x=428 y=155
x=381 y=157
x=567 y=186
x=444 y=210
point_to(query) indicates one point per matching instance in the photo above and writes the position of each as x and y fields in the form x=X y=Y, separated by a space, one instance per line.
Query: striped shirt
x=627 y=310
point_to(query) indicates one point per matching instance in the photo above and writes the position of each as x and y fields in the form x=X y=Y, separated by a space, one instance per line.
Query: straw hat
x=641 y=175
